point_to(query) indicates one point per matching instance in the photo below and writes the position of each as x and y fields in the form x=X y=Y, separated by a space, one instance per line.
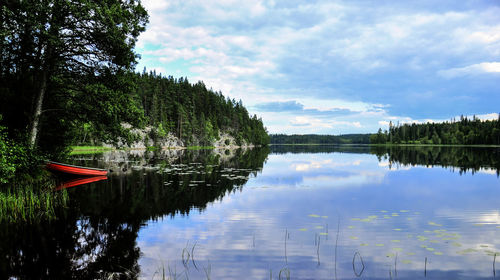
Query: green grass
x=30 y=200
x=83 y=150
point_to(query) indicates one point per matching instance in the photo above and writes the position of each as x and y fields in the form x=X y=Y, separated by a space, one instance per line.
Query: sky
x=333 y=67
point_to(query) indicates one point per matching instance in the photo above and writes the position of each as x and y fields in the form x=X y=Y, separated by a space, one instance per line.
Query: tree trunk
x=35 y=125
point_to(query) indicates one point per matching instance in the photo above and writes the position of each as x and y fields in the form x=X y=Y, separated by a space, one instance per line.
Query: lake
x=284 y=212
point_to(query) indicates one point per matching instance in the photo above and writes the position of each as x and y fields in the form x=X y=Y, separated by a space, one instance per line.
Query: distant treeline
x=462 y=132
x=320 y=139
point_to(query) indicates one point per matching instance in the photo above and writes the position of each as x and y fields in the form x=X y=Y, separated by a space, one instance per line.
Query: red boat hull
x=75 y=170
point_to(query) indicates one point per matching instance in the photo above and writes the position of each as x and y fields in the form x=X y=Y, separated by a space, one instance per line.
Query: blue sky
x=333 y=67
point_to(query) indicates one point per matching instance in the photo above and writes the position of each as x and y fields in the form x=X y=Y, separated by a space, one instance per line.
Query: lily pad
x=429 y=249
x=435 y=224
x=363 y=244
x=351 y=227
x=396 y=241
x=450 y=238
x=467 y=251
x=406 y=261
x=314 y=216
x=397 y=229
x=397 y=249
x=323 y=233
x=380 y=245
x=355 y=219
x=302 y=229
x=421 y=238
x=411 y=254
x=438 y=253
x=353 y=237
x=383 y=211
x=404 y=211
x=456 y=244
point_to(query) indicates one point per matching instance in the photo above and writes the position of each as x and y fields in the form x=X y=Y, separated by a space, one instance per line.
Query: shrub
x=7 y=166
x=15 y=158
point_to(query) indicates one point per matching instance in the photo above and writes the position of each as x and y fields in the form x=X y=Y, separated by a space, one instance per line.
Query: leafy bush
x=7 y=166
x=15 y=158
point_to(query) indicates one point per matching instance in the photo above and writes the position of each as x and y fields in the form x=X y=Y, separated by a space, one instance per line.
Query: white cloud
x=159 y=70
x=474 y=69
x=487 y=35
x=383 y=123
x=484 y=117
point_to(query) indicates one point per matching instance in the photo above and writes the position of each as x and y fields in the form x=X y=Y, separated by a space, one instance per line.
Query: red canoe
x=75 y=170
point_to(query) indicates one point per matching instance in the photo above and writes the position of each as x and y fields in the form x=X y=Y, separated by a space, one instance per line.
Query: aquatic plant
x=30 y=200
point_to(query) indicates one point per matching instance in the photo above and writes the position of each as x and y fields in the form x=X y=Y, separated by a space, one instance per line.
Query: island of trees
x=456 y=132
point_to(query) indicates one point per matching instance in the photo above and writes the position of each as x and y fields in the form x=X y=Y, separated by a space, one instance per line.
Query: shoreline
x=101 y=149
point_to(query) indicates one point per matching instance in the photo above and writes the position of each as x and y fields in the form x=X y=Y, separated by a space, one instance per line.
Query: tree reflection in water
x=463 y=159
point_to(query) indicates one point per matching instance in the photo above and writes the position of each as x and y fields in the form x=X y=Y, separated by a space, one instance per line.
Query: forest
x=319 y=139
x=456 y=132
x=194 y=113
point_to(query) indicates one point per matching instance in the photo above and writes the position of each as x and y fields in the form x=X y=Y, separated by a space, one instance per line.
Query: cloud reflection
x=288 y=215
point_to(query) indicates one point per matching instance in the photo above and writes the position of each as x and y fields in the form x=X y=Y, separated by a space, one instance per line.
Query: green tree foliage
x=461 y=132
x=380 y=137
x=14 y=157
x=67 y=64
x=194 y=113
x=320 y=139
x=7 y=166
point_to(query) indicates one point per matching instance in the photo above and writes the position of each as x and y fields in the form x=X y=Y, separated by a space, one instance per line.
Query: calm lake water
x=301 y=212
